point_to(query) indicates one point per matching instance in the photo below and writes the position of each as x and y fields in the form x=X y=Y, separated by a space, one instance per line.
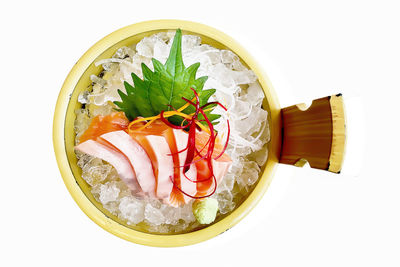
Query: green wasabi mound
x=205 y=210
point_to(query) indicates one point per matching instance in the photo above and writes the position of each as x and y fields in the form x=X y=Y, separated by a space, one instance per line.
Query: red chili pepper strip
x=163 y=119
x=211 y=144
x=191 y=146
x=212 y=103
x=229 y=128
x=195 y=197
x=199 y=151
x=192 y=133
x=197 y=181
x=177 y=152
x=207 y=121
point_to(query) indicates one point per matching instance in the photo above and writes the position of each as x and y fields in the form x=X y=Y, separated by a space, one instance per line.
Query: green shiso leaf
x=164 y=87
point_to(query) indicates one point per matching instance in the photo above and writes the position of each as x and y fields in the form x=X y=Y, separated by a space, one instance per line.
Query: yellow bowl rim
x=84 y=203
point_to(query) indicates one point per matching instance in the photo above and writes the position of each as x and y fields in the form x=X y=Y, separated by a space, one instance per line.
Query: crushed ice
x=236 y=87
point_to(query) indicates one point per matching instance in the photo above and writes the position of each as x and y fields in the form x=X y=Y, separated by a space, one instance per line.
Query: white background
x=309 y=49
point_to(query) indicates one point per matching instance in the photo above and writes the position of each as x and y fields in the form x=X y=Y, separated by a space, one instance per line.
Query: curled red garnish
x=177 y=152
x=196 y=197
x=163 y=119
x=212 y=103
x=193 y=154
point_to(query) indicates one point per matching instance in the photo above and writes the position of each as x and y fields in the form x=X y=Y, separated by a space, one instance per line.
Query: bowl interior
x=223 y=222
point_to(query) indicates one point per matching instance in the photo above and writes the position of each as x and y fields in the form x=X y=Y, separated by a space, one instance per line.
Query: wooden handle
x=315 y=135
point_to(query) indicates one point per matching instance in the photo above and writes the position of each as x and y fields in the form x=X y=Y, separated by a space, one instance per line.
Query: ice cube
x=190 y=41
x=83 y=159
x=97 y=80
x=243 y=150
x=243 y=77
x=124 y=52
x=109 y=192
x=171 y=214
x=126 y=68
x=137 y=64
x=241 y=109
x=163 y=36
x=105 y=109
x=83 y=97
x=237 y=65
x=161 y=51
x=153 y=215
x=215 y=57
x=228 y=56
x=254 y=94
x=145 y=47
x=95 y=190
x=249 y=175
x=162 y=228
x=97 y=89
x=221 y=74
x=260 y=156
x=227 y=182
x=225 y=202
x=131 y=209
x=95 y=171
x=113 y=176
x=82 y=122
x=252 y=123
x=112 y=207
x=187 y=213
x=110 y=94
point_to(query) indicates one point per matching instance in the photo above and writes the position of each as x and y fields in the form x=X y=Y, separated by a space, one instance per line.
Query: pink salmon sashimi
x=138 y=158
x=165 y=165
x=115 y=158
x=181 y=139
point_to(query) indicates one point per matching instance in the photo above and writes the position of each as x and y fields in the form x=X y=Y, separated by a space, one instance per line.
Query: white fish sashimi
x=190 y=188
x=116 y=159
x=137 y=156
x=165 y=165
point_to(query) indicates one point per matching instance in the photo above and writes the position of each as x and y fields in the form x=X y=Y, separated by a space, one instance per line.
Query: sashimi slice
x=165 y=165
x=176 y=197
x=105 y=124
x=141 y=139
x=203 y=173
x=159 y=128
x=138 y=158
x=188 y=186
x=181 y=139
x=202 y=145
x=115 y=158
x=161 y=159
x=220 y=168
x=220 y=165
